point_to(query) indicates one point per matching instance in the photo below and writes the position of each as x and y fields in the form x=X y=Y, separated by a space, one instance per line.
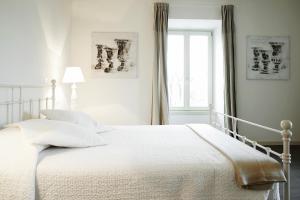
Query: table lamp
x=73 y=75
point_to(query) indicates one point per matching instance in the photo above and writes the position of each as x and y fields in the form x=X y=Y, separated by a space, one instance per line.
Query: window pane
x=175 y=59
x=199 y=71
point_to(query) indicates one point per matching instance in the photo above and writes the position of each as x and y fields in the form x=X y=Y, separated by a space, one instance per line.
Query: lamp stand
x=73 y=96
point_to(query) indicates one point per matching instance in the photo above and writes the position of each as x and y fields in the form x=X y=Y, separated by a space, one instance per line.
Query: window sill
x=188 y=112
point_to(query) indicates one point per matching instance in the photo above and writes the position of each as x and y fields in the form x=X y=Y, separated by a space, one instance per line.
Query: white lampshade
x=73 y=75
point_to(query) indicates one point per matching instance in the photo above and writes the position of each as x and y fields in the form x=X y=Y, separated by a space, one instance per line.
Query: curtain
x=228 y=35
x=160 y=103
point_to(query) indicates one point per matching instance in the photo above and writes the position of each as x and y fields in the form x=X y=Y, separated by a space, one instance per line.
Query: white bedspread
x=140 y=163
x=18 y=161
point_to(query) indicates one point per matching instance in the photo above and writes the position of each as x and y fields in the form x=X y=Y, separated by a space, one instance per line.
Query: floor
x=295 y=170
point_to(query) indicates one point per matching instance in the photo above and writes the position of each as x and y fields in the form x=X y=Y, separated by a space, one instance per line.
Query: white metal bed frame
x=285 y=133
x=286 y=125
x=18 y=104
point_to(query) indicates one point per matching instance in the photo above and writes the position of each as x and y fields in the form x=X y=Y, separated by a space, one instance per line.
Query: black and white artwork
x=268 y=57
x=114 y=55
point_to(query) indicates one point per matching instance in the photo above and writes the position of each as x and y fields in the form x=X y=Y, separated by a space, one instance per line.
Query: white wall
x=34 y=48
x=128 y=101
x=265 y=102
x=34 y=41
x=268 y=102
x=114 y=101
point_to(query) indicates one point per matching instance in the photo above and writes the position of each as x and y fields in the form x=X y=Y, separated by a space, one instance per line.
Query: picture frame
x=114 y=54
x=268 y=58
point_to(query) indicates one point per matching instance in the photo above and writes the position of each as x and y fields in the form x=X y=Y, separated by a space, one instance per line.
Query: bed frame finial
x=53 y=86
x=286 y=133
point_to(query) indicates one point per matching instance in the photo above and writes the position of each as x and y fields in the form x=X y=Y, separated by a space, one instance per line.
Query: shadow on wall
x=55 y=17
x=112 y=114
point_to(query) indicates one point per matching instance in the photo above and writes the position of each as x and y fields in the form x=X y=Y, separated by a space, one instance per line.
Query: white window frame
x=187 y=33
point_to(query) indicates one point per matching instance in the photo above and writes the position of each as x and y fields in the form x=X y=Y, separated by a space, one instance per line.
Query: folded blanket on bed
x=253 y=169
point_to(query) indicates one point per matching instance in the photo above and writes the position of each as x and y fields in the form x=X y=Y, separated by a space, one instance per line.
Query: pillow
x=73 y=117
x=58 y=133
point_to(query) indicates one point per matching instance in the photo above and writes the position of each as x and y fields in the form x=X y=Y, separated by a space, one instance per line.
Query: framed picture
x=114 y=55
x=268 y=58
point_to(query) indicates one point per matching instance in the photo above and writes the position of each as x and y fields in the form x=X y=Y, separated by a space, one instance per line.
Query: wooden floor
x=295 y=170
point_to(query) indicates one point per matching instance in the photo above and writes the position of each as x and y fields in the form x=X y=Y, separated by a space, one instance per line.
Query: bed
x=139 y=162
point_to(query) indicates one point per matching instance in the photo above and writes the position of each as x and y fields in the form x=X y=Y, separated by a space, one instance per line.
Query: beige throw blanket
x=253 y=169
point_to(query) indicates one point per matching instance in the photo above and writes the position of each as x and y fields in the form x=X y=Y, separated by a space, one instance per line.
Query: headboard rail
x=15 y=107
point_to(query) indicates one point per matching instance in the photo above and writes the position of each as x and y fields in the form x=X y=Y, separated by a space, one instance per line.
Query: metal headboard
x=17 y=103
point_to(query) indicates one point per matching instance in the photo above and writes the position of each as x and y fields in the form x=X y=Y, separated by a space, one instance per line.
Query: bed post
x=286 y=133
x=53 y=85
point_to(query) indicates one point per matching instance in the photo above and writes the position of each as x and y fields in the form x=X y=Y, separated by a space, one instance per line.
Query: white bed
x=139 y=162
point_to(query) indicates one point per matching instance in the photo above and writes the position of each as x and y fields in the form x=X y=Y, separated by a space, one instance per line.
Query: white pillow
x=59 y=133
x=75 y=117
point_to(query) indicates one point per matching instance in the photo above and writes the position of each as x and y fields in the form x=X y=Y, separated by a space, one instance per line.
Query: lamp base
x=73 y=103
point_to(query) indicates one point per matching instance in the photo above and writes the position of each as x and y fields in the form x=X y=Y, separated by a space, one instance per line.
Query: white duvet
x=18 y=161
x=139 y=163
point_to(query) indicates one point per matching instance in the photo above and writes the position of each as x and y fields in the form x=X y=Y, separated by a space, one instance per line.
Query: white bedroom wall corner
x=33 y=47
x=55 y=18
x=218 y=72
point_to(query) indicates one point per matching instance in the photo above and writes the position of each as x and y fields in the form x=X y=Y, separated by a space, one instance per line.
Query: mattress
x=140 y=162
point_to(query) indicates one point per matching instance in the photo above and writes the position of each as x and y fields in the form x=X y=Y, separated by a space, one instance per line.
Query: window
x=189 y=70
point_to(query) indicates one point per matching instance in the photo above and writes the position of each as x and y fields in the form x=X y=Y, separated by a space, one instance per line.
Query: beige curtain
x=228 y=34
x=160 y=103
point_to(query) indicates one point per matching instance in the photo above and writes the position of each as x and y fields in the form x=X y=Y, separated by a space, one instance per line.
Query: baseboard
x=266 y=143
